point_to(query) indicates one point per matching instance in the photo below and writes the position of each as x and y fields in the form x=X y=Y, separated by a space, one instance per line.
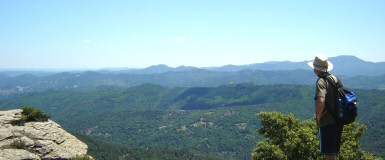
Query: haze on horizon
x=137 y=34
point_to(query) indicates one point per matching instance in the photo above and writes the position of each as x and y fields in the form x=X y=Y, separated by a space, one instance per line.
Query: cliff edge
x=36 y=140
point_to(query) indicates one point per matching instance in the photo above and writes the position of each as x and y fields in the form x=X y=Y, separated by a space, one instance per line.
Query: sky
x=79 y=34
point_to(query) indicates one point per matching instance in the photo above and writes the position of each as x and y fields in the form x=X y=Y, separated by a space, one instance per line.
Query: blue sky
x=76 y=34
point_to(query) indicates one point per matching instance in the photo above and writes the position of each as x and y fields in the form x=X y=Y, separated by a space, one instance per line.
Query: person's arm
x=319 y=105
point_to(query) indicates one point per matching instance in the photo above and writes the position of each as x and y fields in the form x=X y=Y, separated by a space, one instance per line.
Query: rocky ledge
x=36 y=140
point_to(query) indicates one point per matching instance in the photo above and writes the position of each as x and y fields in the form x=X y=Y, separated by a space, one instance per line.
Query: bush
x=16 y=144
x=31 y=114
x=84 y=157
x=290 y=138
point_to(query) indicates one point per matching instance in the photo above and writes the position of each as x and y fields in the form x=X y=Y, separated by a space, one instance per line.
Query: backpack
x=346 y=103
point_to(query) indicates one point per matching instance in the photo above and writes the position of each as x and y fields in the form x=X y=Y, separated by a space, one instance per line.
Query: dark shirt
x=328 y=91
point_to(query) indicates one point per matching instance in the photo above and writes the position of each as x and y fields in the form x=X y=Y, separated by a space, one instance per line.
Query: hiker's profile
x=330 y=129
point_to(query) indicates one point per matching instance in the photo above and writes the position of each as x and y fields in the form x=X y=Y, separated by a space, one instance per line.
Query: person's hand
x=318 y=120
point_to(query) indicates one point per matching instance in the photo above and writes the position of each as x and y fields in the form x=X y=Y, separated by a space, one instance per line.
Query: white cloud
x=87 y=41
x=180 y=38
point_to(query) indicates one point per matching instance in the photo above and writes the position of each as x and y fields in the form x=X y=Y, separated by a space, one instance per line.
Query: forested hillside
x=112 y=151
x=84 y=81
x=220 y=119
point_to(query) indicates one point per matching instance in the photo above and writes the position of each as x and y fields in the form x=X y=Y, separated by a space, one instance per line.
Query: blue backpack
x=346 y=103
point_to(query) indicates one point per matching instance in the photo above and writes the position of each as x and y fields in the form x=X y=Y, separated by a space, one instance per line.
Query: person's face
x=316 y=72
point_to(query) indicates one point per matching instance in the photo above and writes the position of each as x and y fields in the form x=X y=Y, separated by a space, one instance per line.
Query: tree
x=290 y=138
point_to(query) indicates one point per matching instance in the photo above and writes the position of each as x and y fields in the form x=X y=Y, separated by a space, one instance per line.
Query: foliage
x=111 y=151
x=16 y=144
x=266 y=150
x=290 y=138
x=215 y=131
x=102 y=150
x=155 y=116
x=148 y=96
x=84 y=157
x=371 y=112
x=190 y=78
x=169 y=154
x=30 y=114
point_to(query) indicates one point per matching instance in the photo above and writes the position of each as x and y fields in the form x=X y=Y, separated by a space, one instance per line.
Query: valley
x=219 y=120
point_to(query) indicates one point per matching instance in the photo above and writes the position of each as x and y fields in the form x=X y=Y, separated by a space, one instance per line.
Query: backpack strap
x=331 y=80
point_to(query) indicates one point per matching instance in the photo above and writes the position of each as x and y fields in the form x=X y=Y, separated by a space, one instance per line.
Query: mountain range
x=261 y=74
x=345 y=65
x=189 y=111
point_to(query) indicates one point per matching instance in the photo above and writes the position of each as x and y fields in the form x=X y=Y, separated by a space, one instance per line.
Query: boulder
x=36 y=140
x=7 y=117
x=17 y=154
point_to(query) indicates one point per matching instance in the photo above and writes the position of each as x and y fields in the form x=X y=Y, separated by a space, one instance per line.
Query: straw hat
x=321 y=63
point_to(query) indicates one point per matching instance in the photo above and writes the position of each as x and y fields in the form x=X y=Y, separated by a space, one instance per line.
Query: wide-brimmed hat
x=321 y=63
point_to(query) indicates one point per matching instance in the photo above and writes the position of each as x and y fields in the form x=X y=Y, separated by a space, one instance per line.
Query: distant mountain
x=343 y=65
x=3 y=76
x=18 y=73
x=353 y=66
x=189 y=78
x=163 y=69
x=267 y=66
x=155 y=69
x=346 y=67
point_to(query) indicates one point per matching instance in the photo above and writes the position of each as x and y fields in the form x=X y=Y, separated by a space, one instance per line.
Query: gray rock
x=7 y=117
x=42 y=140
x=5 y=134
x=17 y=154
x=44 y=147
x=6 y=142
x=28 y=142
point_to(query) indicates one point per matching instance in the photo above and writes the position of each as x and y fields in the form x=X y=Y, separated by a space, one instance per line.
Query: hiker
x=329 y=129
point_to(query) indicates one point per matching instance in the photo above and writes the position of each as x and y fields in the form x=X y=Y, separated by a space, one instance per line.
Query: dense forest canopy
x=219 y=119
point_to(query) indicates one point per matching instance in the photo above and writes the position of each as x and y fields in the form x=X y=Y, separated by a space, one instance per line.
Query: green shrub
x=84 y=157
x=31 y=114
x=16 y=144
x=287 y=137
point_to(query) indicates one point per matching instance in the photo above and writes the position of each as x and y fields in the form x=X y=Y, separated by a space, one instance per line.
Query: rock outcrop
x=36 y=140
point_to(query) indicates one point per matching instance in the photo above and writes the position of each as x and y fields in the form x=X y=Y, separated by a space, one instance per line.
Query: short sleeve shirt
x=326 y=90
